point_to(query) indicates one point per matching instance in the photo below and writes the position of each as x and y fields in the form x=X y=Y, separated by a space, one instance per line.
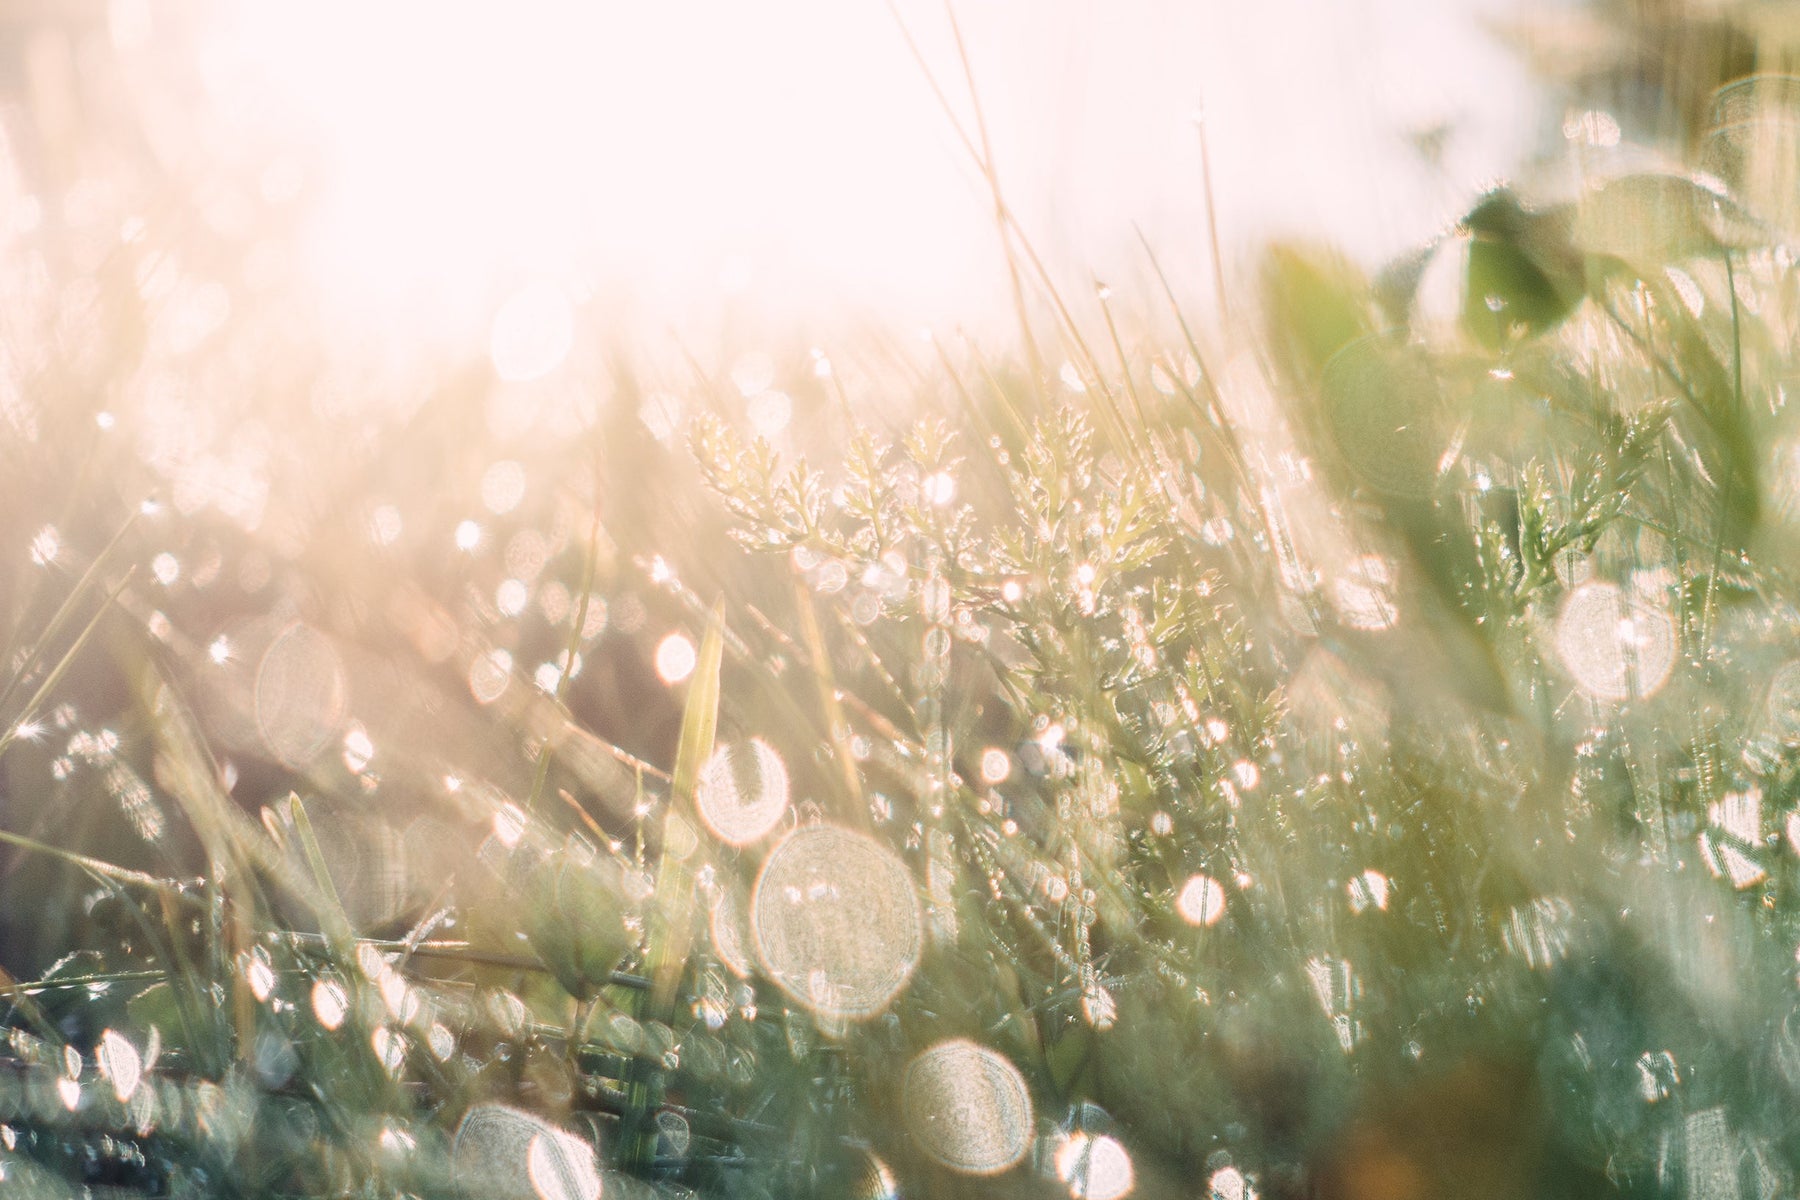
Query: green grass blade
x=62 y=667
x=700 y=717
x=330 y=907
x=65 y=611
x=673 y=928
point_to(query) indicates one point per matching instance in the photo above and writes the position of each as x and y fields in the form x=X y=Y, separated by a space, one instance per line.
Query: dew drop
x=120 y=1064
x=330 y=1002
x=509 y=824
x=834 y=918
x=1539 y=932
x=1094 y=1168
x=489 y=675
x=505 y=1154
x=1201 y=900
x=358 y=750
x=675 y=658
x=511 y=597
x=46 y=544
x=967 y=1107
x=1229 y=1183
x=1368 y=890
x=1616 y=647
x=259 y=975
x=742 y=792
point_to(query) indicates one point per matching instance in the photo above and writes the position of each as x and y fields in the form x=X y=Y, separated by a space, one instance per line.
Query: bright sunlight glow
x=692 y=156
x=465 y=144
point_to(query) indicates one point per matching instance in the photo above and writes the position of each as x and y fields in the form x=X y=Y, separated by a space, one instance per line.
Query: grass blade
x=673 y=933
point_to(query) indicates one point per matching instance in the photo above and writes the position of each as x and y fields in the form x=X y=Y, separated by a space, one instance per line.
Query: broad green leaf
x=1524 y=274
x=1650 y=221
x=574 y=924
x=1388 y=416
x=1317 y=304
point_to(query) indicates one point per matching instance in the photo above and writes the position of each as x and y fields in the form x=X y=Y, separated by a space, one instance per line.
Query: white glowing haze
x=674 y=154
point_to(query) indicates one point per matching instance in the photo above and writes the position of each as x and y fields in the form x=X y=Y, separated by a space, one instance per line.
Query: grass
x=1354 y=754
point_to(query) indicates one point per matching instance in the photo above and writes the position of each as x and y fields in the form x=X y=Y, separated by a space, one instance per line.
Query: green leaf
x=1387 y=415
x=1317 y=305
x=1525 y=274
x=1068 y=1057
x=1650 y=221
x=574 y=924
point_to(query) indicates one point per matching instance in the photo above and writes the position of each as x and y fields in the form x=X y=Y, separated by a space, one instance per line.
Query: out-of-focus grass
x=1351 y=751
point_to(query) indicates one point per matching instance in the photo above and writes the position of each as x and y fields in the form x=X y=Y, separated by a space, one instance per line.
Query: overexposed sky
x=790 y=153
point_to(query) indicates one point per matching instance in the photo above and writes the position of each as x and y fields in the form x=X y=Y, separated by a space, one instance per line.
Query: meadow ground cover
x=1344 y=744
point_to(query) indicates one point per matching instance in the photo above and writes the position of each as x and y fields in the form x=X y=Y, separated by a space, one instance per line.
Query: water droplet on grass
x=1337 y=988
x=742 y=792
x=259 y=974
x=46 y=544
x=489 y=675
x=835 y=921
x=1617 y=647
x=967 y=1107
x=675 y=658
x=1229 y=1183
x=330 y=1002
x=1657 y=1075
x=1539 y=932
x=1094 y=1168
x=501 y=1153
x=1368 y=890
x=359 y=750
x=120 y=1064
x=1201 y=900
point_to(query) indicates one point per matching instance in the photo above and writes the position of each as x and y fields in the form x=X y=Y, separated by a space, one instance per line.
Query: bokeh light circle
x=835 y=922
x=967 y=1107
x=742 y=791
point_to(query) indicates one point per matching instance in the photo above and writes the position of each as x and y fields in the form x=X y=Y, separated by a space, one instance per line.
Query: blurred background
x=1372 y=691
x=688 y=162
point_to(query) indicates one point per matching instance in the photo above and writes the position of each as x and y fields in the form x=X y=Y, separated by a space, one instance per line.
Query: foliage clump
x=1361 y=753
